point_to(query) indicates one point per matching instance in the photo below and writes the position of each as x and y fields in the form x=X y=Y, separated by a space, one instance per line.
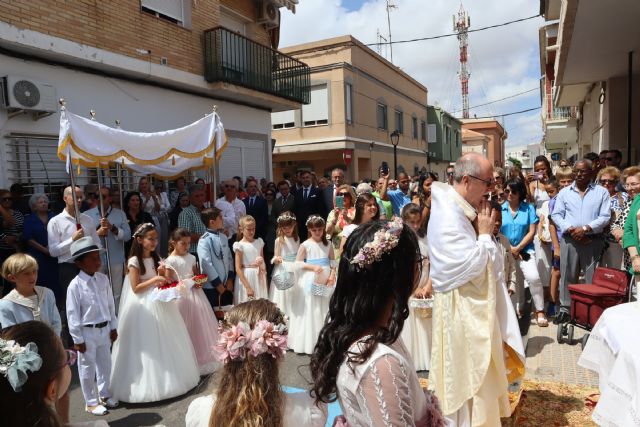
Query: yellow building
x=358 y=99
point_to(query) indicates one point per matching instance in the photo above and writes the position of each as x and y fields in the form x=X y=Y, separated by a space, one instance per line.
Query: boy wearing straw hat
x=92 y=325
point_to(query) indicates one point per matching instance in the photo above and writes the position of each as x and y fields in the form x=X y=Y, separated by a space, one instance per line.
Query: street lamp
x=395 y=138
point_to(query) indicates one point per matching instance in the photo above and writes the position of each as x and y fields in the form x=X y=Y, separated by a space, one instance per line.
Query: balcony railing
x=550 y=112
x=233 y=58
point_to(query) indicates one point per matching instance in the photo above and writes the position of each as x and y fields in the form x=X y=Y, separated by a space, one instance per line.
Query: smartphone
x=538 y=176
x=385 y=168
x=340 y=202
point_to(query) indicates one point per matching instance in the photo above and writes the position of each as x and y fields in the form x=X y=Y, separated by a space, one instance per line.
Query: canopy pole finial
x=63 y=103
x=118 y=123
x=92 y=113
x=215 y=108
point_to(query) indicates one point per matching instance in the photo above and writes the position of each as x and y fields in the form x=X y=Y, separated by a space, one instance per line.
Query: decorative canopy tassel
x=173 y=160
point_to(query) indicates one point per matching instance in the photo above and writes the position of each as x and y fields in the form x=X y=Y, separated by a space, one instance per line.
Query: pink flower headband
x=383 y=241
x=238 y=340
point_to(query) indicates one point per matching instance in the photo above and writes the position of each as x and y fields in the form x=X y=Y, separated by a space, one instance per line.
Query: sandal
x=98 y=410
x=541 y=320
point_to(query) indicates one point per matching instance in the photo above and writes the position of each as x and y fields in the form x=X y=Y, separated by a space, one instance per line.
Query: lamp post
x=395 y=138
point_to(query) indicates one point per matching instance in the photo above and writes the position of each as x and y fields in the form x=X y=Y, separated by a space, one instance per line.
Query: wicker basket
x=321 y=290
x=423 y=307
x=283 y=279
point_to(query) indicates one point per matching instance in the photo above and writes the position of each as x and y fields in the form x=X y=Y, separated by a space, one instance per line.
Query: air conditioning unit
x=20 y=93
x=269 y=14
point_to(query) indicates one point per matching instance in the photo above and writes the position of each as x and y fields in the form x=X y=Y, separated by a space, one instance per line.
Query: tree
x=517 y=163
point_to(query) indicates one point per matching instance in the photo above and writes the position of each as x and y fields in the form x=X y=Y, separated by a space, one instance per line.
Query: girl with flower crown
x=286 y=247
x=153 y=358
x=194 y=307
x=251 y=271
x=360 y=359
x=317 y=266
x=252 y=345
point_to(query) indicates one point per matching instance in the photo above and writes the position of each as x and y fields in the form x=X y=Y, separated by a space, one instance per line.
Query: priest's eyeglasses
x=487 y=182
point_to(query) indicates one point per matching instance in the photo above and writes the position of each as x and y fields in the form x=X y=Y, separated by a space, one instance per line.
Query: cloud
x=502 y=61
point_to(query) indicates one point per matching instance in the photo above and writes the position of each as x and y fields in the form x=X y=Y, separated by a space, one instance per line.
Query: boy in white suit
x=92 y=325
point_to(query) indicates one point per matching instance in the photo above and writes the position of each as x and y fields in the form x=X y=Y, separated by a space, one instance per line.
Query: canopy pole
x=63 y=107
x=215 y=163
x=120 y=196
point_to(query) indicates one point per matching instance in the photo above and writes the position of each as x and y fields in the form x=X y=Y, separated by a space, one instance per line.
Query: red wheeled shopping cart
x=610 y=287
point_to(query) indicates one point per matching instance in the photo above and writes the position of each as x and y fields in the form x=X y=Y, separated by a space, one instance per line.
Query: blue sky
x=502 y=61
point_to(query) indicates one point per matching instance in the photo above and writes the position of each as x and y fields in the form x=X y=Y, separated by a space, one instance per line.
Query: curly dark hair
x=361 y=202
x=360 y=296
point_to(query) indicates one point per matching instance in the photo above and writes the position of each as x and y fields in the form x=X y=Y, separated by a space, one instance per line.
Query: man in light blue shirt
x=400 y=197
x=581 y=213
x=115 y=228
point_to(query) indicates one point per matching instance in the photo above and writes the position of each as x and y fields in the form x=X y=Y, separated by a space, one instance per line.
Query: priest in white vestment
x=477 y=356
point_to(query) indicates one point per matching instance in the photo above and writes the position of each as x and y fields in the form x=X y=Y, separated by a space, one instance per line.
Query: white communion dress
x=153 y=358
x=416 y=332
x=253 y=271
x=288 y=250
x=308 y=315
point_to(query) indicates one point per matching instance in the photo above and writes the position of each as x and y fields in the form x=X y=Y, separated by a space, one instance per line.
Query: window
x=414 y=127
x=423 y=130
x=176 y=11
x=432 y=136
x=348 y=102
x=447 y=135
x=382 y=117
x=457 y=138
x=399 y=122
x=283 y=119
x=317 y=111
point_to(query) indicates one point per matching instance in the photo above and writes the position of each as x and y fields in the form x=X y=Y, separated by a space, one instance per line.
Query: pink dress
x=197 y=314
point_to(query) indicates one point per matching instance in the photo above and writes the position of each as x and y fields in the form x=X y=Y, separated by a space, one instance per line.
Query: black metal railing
x=233 y=58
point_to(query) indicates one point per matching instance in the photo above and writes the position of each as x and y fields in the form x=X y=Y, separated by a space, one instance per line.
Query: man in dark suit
x=284 y=203
x=329 y=193
x=308 y=201
x=256 y=206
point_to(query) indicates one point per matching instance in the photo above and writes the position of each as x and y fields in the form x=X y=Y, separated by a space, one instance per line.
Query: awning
x=166 y=154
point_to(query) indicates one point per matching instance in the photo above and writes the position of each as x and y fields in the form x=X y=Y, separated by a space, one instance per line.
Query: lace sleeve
x=384 y=394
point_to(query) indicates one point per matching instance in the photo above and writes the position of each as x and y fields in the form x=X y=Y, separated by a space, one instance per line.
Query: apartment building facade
x=444 y=137
x=492 y=145
x=591 y=77
x=358 y=99
x=153 y=65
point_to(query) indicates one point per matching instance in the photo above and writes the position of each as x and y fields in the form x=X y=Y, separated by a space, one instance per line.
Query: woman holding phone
x=341 y=216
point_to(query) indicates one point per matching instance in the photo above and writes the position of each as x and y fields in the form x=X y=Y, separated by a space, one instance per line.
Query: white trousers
x=543 y=261
x=529 y=270
x=117 y=277
x=94 y=365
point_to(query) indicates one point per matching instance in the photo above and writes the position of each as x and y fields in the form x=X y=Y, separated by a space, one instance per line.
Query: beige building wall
x=338 y=62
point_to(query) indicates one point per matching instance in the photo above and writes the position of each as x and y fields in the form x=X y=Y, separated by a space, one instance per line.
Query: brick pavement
x=549 y=361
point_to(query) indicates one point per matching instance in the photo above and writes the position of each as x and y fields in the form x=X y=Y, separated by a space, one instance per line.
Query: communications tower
x=461 y=26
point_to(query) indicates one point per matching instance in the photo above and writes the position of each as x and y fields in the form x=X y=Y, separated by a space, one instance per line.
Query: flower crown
x=238 y=340
x=16 y=360
x=313 y=218
x=383 y=241
x=143 y=228
x=286 y=217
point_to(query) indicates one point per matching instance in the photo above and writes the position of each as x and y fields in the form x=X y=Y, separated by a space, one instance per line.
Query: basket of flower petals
x=200 y=279
x=168 y=292
x=423 y=307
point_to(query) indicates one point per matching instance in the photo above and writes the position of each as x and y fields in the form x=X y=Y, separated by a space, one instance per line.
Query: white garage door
x=243 y=158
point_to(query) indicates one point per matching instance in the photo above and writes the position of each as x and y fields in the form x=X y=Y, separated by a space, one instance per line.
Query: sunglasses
x=6 y=199
x=610 y=159
x=607 y=182
x=344 y=194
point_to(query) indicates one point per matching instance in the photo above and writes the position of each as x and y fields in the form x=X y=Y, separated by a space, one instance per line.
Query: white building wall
x=139 y=107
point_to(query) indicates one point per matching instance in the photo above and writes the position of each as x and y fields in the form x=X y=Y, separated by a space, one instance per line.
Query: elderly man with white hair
x=62 y=231
x=477 y=351
x=232 y=208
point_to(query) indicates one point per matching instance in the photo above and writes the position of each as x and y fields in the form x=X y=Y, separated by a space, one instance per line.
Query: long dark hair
x=126 y=201
x=138 y=251
x=27 y=407
x=175 y=211
x=360 y=296
x=361 y=202
x=517 y=186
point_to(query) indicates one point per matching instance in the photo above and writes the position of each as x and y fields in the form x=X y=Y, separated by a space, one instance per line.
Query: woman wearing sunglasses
x=608 y=178
x=341 y=216
x=31 y=398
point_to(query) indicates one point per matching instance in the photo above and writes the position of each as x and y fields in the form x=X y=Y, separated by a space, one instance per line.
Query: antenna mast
x=390 y=6
x=461 y=25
